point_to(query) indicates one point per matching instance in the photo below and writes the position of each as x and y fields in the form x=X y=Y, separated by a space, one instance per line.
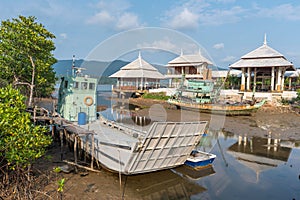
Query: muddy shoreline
x=269 y=121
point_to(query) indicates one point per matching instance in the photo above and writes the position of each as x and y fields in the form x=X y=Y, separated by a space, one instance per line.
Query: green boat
x=77 y=97
x=200 y=95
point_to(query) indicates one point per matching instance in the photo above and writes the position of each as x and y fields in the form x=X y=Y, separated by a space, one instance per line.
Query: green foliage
x=25 y=55
x=57 y=169
x=156 y=95
x=20 y=141
x=298 y=94
x=61 y=184
x=232 y=81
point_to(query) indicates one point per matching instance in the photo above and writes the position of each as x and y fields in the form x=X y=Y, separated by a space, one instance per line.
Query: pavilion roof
x=292 y=74
x=262 y=62
x=138 y=68
x=263 y=56
x=189 y=60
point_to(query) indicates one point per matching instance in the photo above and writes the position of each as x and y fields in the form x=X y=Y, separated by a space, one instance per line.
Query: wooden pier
x=71 y=134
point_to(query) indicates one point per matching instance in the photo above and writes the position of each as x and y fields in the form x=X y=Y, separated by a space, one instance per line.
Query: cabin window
x=84 y=85
x=76 y=85
x=92 y=86
x=66 y=84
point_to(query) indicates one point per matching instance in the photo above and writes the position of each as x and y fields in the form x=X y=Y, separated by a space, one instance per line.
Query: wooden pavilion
x=137 y=75
x=267 y=67
x=192 y=66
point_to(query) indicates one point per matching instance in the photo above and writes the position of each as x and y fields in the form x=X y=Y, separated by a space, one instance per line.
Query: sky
x=225 y=29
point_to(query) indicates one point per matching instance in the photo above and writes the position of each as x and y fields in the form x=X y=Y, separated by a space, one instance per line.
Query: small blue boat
x=200 y=159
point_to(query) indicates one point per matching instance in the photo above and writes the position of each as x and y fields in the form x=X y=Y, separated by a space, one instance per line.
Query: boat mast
x=73 y=66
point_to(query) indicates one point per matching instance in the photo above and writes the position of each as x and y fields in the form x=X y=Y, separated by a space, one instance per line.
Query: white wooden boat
x=200 y=159
x=121 y=148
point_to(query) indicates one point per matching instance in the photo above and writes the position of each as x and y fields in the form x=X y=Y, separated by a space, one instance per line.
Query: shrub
x=21 y=142
x=156 y=95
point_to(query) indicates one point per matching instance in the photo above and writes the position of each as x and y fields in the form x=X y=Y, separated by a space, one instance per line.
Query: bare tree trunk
x=32 y=82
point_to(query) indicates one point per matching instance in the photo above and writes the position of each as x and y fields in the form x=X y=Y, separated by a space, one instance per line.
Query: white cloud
x=218 y=16
x=193 y=13
x=225 y=1
x=219 y=46
x=284 y=11
x=186 y=19
x=127 y=21
x=229 y=59
x=167 y=44
x=103 y=17
x=115 y=14
x=163 y=44
x=63 y=35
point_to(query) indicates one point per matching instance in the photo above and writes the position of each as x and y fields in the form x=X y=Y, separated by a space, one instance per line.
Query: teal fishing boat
x=77 y=97
x=200 y=95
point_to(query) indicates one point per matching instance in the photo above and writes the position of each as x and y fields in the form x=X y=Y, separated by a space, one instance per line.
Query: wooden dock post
x=52 y=125
x=92 y=151
x=61 y=136
x=75 y=153
x=86 y=147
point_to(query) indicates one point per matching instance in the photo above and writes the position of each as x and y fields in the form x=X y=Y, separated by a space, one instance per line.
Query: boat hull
x=165 y=145
x=200 y=164
x=220 y=109
x=199 y=159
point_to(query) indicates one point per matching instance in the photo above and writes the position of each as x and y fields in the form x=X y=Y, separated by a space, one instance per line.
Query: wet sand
x=279 y=122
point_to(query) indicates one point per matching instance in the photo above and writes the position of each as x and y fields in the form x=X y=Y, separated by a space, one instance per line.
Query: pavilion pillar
x=290 y=83
x=121 y=83
x=272 y=79
x=282 y=79
x=118 y=83
x=243 y=80
x=254 y=79
x=278 y=84
x=248 y=79
x=137 y=83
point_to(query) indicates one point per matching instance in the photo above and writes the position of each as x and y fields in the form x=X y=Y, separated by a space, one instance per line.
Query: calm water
x=245 y=168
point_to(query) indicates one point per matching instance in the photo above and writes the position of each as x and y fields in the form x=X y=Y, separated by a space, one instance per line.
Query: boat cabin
x=77 y=99
x=200 y=86
x=197 y=90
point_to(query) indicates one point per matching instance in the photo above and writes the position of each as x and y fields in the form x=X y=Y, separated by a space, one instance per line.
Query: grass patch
x=156 y=95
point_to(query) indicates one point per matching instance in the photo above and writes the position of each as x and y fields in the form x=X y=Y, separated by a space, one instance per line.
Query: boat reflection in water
x=168 y=184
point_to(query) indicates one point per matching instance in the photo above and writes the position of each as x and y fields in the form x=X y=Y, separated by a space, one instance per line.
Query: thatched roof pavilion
x=267 y=65
x=138 y=74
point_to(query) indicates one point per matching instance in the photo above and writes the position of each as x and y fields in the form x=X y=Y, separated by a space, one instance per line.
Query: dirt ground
x=279 y=122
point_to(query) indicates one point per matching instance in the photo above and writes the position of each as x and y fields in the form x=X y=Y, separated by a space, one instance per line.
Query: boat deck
x=136 y=149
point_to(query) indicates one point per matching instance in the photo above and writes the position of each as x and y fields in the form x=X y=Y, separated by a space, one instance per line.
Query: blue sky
x=227 y=29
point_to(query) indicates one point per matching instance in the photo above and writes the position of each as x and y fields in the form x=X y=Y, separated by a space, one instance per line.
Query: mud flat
x=270 y=120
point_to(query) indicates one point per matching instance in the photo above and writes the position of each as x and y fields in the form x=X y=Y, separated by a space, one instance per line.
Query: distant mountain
x=93 y=68
x=96 y=68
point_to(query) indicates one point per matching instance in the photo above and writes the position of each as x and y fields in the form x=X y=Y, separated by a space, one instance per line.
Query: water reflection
x=167 y=184
x=246 y=167
x=259 y=154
